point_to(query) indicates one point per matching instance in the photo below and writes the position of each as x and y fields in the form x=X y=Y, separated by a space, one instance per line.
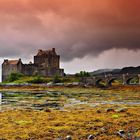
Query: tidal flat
x=42 y=113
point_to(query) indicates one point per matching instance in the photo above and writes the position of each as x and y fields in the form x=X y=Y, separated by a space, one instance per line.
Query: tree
x=82 y=74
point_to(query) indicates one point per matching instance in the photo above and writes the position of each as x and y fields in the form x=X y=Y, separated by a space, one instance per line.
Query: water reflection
x=0 y=101
x=57 y=100
x=0 y=98
x=37 y=101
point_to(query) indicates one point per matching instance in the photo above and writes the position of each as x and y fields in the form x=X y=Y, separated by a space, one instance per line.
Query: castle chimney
x=39 y=50
x=5 y=60
x=53 y=49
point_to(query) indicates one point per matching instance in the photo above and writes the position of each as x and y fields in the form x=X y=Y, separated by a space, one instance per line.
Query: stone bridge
x=125 y=79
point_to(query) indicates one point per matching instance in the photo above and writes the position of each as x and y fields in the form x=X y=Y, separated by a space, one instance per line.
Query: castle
x=46 y=63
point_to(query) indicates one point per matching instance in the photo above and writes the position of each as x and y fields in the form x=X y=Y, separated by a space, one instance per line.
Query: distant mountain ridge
x=105 y=71
x=125 y=70
x=130 y=70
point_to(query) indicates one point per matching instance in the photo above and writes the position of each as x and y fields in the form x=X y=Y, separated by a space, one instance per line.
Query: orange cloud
x=80 y=27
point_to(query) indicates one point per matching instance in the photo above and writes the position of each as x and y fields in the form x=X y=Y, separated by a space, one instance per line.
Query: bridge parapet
x=125 y=79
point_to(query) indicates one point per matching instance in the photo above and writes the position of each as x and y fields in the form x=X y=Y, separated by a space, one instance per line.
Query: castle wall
x=38 y=60
x=55 y=62
x=30 y=69
x=7 y=69
x=47 y=61
x=55 y=71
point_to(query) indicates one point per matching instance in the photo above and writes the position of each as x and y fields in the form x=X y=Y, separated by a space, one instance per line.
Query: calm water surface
x=57 y=100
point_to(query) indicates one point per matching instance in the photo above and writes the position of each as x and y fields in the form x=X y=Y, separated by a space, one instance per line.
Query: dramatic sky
x=88 y=34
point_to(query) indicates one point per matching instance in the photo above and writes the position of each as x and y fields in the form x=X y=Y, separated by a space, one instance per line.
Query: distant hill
x=125 y=70
x=130 y=70
x=105 y=71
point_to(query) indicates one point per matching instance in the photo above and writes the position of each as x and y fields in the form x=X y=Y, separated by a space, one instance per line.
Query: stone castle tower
x=46 y=63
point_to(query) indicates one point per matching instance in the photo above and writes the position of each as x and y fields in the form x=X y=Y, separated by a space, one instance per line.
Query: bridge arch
x=111 y=81
x=129 y=80
x=99 y=82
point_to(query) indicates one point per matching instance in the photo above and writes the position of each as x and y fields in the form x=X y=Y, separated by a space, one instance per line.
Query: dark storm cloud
x=75 y=28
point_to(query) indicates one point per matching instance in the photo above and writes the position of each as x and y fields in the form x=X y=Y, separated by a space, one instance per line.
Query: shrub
x=65 y=79
x=38 y=80
x=57 y=79
x=14 y=76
